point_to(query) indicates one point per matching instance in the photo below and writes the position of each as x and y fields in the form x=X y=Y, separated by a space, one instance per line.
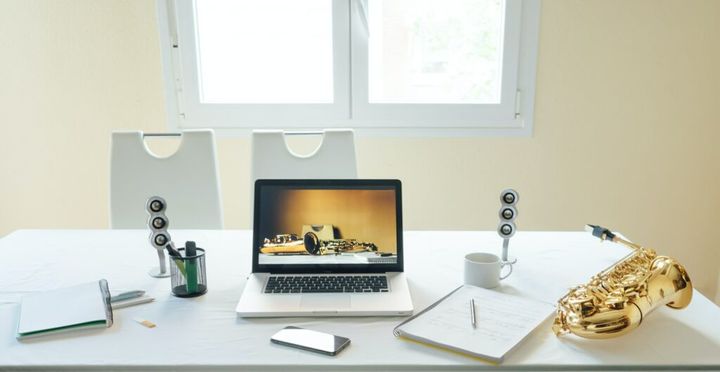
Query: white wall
x=626 y=126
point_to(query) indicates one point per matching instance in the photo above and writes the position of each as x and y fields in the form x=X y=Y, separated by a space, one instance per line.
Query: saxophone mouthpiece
x=600 y=232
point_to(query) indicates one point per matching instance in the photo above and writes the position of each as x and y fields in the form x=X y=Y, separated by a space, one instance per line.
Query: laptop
x=326 y=248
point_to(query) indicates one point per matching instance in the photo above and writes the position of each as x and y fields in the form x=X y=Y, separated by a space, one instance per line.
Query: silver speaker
x=506 y=230
x=158 y=222
x=155 y=204
x=506 y=227
x=159 y=236
x=159 y=239
x=509 y=197
x=507 y=214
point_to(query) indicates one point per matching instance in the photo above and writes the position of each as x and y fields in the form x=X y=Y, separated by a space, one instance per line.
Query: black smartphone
x=306 y=339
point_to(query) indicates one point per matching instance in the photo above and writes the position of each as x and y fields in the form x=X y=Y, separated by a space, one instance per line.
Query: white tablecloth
x=205 y=331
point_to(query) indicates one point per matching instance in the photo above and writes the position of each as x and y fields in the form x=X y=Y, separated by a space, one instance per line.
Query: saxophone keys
x=559 y=327
x=629 y=280
x=615 y=303
x=583 y=304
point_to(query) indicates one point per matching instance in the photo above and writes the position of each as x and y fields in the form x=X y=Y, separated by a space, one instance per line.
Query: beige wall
x=626 y=126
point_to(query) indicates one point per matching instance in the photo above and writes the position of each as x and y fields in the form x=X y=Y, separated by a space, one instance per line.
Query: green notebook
x=79 y=307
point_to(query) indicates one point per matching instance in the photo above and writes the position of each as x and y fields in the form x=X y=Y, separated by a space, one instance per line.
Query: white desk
x=205 y=331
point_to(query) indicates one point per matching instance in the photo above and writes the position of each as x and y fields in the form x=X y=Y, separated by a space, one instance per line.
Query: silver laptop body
x=326 y=248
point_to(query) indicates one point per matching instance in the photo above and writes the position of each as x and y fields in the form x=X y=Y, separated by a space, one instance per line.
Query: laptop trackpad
x=325 y=301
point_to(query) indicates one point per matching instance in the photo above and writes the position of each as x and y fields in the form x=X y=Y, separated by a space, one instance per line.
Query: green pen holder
x=188 y=277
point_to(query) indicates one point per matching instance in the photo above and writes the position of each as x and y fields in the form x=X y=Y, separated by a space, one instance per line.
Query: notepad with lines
x=502 y=322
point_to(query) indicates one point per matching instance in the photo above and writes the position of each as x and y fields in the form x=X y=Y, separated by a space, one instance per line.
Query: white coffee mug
x=483 y=269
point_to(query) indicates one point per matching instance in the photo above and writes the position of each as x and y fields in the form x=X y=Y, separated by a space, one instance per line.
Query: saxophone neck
x=605 y=234
x=627 y=243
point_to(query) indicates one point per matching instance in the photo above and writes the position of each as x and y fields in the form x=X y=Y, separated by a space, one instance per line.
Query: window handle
x=362 y=9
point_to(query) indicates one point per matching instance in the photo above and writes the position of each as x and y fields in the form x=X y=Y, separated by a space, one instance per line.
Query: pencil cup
x=188 y=275
x=483 y=270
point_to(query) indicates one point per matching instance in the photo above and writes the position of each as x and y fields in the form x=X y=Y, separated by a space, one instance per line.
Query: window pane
x=269 y=51
x=433 y=51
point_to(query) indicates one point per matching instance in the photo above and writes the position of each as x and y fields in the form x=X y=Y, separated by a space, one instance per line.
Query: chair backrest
x=334 y=158
x=188 y=180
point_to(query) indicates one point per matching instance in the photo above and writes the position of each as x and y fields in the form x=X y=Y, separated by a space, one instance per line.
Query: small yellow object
x=145 y=322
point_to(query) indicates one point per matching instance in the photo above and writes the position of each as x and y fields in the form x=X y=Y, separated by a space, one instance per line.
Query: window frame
x=350 y=108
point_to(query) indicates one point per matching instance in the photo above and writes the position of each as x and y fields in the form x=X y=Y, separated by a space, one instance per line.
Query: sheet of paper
x=502 y=321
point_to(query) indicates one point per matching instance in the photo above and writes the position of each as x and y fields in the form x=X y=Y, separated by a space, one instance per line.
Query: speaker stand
x=161 y=271
x=506 y=245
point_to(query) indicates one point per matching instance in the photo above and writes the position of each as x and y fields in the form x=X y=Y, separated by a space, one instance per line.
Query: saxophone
x=290 y=244
x=616 y=300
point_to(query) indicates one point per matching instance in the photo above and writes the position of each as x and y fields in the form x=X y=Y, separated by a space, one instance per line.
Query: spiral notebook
x=82 y=306
x=502 y=322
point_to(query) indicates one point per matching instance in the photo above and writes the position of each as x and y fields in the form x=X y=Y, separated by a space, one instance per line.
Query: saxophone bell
x=312 y=244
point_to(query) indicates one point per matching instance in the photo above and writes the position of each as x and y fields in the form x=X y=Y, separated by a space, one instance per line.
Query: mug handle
x=508 y=264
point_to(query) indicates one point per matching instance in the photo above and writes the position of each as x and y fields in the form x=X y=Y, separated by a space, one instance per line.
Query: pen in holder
x=188 y=276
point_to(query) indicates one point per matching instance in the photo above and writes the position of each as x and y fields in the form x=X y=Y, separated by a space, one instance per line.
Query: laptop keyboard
x=326 y=284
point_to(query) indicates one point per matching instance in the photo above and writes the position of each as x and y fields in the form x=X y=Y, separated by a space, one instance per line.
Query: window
x=438 y=67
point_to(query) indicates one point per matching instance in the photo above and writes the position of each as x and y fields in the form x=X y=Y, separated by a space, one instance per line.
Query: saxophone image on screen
x=311 y=244
x=616 y=300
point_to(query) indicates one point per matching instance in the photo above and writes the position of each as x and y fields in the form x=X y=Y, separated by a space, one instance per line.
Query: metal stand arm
x=506 y=245
x=161 y=271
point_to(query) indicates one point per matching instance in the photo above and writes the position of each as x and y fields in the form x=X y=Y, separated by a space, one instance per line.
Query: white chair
x=273 y=159
x=187 y=179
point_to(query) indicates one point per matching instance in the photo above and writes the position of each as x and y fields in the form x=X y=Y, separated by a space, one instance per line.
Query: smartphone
x=306 y=339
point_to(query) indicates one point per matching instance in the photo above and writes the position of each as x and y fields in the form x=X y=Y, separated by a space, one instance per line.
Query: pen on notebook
x=472 y=312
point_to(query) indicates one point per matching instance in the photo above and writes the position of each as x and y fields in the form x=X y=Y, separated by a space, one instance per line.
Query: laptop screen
x=327 y=226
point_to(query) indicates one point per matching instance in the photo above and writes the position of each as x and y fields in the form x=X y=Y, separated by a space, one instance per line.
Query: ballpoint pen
x=126 y=295
x=176 y=256
x=472 y=312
